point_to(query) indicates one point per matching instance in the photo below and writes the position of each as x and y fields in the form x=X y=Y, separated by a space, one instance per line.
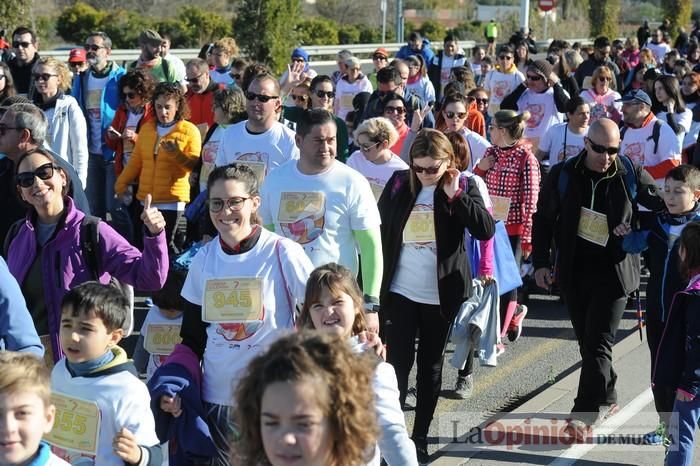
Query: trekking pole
x=640 y=318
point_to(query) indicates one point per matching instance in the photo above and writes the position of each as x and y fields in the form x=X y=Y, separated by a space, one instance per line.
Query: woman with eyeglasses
x=166 y=151
x=46 y=256
x=67 y=132
x=602 y=100
x=7 y=84
x=418 y=82
x=241 y=291
x=503 y=79
x=394 y=108
x=322 y=95
x=427 y=275
x=669 y=107
x=512 y=175
x=375 y=160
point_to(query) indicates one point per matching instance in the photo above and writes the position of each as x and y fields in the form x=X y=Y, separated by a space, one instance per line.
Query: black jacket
x=22 y=75
x=466 y=210
x=677 y=362
x=558 y=216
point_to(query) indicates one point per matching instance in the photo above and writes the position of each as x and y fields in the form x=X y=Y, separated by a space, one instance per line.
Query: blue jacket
x=664 y=278
x=427 y=53
x=677 y=362
x=17 y=332
x=109 y=102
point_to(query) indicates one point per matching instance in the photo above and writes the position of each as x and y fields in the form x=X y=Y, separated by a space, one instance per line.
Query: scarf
x=79 y=369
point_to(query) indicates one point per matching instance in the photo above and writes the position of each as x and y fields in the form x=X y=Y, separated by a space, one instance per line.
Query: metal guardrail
x=324 y=52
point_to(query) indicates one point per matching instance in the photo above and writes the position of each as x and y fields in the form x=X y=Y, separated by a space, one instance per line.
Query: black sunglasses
x=506 y=57
x=261 y=98
x=451 y=115
x=427 y=170
x=42 y=76
x=602 y=149
x=534 y=77
x=24 y=45
x=44 y=172
x=300 y=98
x=322 y=94
x=195 y=79
x=93 y=47
x=130 y=95
x=4 y=128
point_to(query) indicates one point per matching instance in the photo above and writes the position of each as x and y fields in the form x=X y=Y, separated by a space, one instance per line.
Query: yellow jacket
x=164 y=175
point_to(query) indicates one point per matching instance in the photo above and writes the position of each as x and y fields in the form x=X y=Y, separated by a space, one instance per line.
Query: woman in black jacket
x=424 y=212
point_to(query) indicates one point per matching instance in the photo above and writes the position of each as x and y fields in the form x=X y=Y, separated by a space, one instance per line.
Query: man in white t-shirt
x=97 y=93
x=658 y=47
x=566 y=140
x=261 y=141
x=543 y=96
x=656 y=149
x=327 y=207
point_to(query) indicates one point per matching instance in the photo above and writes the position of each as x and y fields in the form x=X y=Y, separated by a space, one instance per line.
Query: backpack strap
x=630 y=177
x=11 y=233
x=89 y=242
x=656 y=134
x=166 y=68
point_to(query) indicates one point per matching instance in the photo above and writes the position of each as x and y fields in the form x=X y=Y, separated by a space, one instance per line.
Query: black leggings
x=402 y=320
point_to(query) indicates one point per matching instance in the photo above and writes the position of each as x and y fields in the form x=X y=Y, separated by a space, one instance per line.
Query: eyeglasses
x=4 y=128
x=399 y=110
x=459 y=115
x=604 y=78
x=536 y=77
x=505 y=57
x=365 y=148
x=378 y=57
x=261 y=98
x=322 y=94
x=76 y=64
x=195 y=79
x=42 y=76
x=44 y=172
x=233 y=203
x=602 y=149
x=300 y=98
x=426 y=170
x=93 y=47
x=483 y=100
x=131 y=95
x=24 y=45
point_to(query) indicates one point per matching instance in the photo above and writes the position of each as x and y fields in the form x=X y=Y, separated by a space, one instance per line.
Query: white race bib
x=233 y=300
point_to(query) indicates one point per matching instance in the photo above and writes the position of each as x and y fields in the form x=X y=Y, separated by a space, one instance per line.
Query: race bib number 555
x=77 y=424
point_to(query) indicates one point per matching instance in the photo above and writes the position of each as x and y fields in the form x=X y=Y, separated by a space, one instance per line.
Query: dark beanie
x=542 y=67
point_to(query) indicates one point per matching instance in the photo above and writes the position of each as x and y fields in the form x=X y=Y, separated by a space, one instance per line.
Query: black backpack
x=89 y=241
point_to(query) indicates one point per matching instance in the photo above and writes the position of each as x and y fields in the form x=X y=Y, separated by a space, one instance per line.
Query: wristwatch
x=371 y=304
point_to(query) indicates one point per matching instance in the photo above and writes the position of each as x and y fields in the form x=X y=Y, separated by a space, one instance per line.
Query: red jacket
x=119 y=123
x=201 y=110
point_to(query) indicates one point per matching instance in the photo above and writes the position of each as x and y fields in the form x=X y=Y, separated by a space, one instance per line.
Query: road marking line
x=577 y=452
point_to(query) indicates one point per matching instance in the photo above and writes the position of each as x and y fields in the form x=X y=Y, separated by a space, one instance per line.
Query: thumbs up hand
x=151 y=217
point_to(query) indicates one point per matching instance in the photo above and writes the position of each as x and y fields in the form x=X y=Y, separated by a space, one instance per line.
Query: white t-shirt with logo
x=209 y=152
x=415 y=256
x=93 y=105
x=267 y=150
x=155 y=318
x=638 y=145
x=278 y=269
x=561 y=143
x=320 y=212
x=376 y=174
x=499 y=85
x=346 y=91
x=132 y=122
x=543 y=113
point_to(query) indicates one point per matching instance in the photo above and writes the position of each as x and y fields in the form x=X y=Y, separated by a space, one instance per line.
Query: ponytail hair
x=512 y=121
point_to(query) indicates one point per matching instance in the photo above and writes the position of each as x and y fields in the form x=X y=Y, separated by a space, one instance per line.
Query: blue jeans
x=684 y=423
x=100 y=186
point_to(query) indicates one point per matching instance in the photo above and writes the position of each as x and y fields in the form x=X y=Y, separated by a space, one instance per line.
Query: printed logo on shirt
x=635 y=152
x=536 y=115
x=570 y=151
x=94 y=101
x=501 y=89
x=261 y=157
x=302 y=215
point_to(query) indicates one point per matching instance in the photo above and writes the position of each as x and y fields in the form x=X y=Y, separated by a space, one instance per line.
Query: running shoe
x=464 y=387
x=410 y=402
x=515 y=329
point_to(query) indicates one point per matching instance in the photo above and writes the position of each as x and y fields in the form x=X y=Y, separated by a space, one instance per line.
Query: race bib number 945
x=77 y=424
x=233 y=300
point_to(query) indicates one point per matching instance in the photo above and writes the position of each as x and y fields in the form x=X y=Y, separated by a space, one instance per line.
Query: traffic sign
x=546 y=5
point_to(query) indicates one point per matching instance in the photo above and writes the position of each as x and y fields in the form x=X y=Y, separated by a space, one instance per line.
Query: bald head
x=604 y=128
x=602 y=145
